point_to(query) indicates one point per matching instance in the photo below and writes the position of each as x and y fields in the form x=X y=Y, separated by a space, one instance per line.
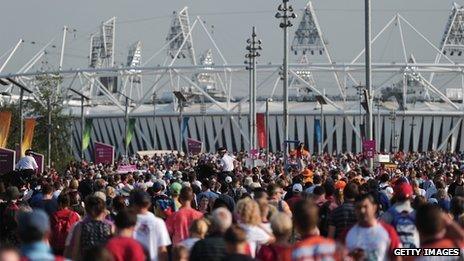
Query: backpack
x=60 y=230
x=404 y=224
x=163 y=206
x=324 y=212
x=94 y=233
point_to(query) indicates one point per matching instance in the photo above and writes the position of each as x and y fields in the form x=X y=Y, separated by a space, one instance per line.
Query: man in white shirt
x=27 y=165
x=150 y=230
x=226 y=162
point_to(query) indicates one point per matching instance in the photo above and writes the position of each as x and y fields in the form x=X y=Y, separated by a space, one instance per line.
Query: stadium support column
x=367 y=12
x=285 y=13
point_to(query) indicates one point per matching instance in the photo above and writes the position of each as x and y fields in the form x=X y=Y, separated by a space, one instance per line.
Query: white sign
x=384 y=158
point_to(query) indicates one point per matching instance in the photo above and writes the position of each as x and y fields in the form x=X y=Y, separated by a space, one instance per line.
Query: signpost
x=7 y=160
x=194 y=146
x=104 y=153
x=39 y=158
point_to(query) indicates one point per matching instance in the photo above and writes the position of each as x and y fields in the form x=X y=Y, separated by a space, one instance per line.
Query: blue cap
x=35 y=220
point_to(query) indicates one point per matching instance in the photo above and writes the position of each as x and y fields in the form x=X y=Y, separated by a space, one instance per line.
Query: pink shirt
x=179 y=223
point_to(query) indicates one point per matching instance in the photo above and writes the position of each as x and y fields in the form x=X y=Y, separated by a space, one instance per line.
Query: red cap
x=403 y=190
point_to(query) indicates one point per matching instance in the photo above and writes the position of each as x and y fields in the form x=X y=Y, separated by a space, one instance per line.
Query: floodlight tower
x=108 y=31
x=134 y=59
x=181 y=44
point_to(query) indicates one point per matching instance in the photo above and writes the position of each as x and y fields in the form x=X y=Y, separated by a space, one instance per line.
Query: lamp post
x=392 y=117
x=154 y=120
x=370 y=122
x=285 y=13
x=83 y=98
x=21 y=96
x=267 y=129
x=254 y=45
x=321 y=100
x=126 y=123
x=182 y=100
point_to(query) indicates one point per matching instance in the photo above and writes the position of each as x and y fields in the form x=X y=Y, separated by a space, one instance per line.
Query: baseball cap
x=157 y=186
x=33 y=221
x=228 y=179
x=403 y=190
x=340 y=185
x=175 y=188
x=297 y=187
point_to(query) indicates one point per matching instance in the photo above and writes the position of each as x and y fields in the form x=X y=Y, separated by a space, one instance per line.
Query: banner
x=261 y=126
x=7 y=160
x=104 y=153
x=130 y=131
x=185 y=121
x=39 y=158
x=5 y=121
x=317 y=130
x=87 y=132
x=126 y=168
x=29 y=126
x=368 y=147
x=194 y=146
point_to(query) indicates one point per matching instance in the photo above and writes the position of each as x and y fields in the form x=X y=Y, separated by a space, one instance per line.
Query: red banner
x=261 y=132
x=7 y=160
x=194 y=146
x=104 y=153
x=368 y=147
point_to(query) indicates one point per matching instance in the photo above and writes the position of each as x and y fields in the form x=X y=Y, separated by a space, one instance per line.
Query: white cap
x=228 y=179
x=297 y=187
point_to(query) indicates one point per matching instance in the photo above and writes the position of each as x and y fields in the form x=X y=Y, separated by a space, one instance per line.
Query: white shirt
x=152 y=233
x=256 y=237
x=374 y=241
x=227 y=163
x=27 y=162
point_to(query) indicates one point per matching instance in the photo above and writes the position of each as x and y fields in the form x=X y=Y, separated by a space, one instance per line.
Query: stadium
x=418 y=101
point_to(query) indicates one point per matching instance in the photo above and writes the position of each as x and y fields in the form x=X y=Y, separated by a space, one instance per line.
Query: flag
x=317 y=129
x=86 y=135
x=5 y=121
x=29 y=126
x=261 y=126
x=130 y=131
x=185 y=121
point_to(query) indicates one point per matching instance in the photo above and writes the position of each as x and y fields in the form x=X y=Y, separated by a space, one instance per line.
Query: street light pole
x=285 y=12
x=182 y=101
x=368 y=74
x=154 y=120
x=49 y=131
x=267 y=130
x=126 y=123
x=83 y=98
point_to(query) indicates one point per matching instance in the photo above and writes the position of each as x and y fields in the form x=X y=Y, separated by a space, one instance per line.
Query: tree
x=61 y=152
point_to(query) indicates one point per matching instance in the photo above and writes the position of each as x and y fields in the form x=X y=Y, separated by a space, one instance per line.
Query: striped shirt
x=342 y=218
x=316 y=248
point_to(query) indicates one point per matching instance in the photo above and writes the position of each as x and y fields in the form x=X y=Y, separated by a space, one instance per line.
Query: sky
x=37 y=22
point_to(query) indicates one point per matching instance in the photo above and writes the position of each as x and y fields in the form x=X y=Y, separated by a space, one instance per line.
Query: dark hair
x=139 y=198
x=99 y=253
x=33 y=235
x=125 y=218
x=351 y=191
x=119 y=203
x=94 y=206
x=317 y=179
x=305 y=215
x=319 y=190
x=235 y=235
x=186 y=194
x=428 y=219
x=365 y=196
x=64 y=200
x=47 y=189
x=457 y=206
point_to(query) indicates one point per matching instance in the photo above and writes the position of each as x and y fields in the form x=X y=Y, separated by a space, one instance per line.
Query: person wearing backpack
x=402 y=215
x=8 y=211
x=61 y=223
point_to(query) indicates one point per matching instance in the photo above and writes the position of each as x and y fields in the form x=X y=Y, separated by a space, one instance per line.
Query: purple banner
x=126 y=168
x=194 y=146
x=7 y=160
x=39 y=158
x=104 y=153
x=369 y=148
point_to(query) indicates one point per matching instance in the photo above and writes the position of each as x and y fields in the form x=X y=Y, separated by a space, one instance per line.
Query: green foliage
x=61 y=123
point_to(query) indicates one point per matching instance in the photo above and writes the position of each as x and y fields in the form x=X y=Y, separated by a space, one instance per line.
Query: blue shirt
x=37 y=251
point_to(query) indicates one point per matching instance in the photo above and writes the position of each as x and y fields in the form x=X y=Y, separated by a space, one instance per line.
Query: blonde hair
x=248 y=211
x=199 y=228
x=281 y=224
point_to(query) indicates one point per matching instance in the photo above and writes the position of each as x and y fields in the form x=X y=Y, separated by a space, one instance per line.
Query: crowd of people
x=224 y=206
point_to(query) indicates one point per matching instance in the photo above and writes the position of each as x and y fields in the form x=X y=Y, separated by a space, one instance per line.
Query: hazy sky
x=148 y=20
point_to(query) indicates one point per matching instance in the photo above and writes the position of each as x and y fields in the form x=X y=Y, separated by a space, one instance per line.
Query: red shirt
x=274 y=252
x=125 y=248
x=179 y=223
